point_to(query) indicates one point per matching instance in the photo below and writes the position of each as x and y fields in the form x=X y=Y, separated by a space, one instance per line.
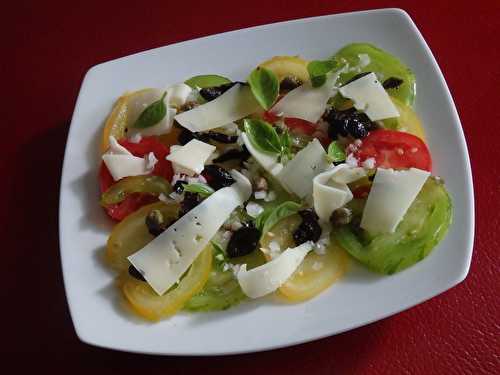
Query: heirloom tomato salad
x=224 y=190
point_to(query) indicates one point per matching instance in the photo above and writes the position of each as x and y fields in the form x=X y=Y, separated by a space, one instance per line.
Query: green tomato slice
x=135 y=184
x=384 y=65
x=422 y=228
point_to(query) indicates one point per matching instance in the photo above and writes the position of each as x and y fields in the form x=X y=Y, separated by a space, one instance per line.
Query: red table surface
x=49 y=47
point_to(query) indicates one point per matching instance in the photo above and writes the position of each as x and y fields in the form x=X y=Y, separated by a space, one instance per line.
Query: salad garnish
x=224 y=190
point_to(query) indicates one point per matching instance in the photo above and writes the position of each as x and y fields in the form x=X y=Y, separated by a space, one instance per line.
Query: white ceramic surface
x=359 y=298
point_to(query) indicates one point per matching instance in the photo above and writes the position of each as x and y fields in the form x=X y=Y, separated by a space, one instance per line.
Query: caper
x=341 y=216
x=155 y=222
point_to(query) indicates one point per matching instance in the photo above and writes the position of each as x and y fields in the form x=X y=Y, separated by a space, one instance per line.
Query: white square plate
x=359 y=298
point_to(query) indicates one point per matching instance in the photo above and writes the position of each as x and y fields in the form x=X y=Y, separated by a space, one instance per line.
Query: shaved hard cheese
x=298 y=174
x=234 y=104
x=267 y=161
x=121 y=166
x=370 y=96
x=138 y=102
x=191 y=158
x=165 y=259
x=115 y=148
x=178 y=94
x=265 y=279
x=306 y=102
x=330 y=190
x=390 y=196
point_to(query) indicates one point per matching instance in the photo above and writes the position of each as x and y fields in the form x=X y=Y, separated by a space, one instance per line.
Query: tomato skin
x=395 y=149
x=132 y=202
x=163 y=168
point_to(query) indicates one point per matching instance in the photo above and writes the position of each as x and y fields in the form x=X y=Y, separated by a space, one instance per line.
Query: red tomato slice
x=300 y=126
x=163 y=167
x=395 y=149
x=130 y=204
x=135 y=201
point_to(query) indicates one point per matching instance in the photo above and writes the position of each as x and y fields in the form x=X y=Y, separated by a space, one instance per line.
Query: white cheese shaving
x=178 y=94
x=234 y=104
x=298 y=174
x=151 y=161
x=265 y=279
x=330 y=190
x=135 y=138
x=115 y=148
x=391 y=195
x=370 y=96
x=165 y=259
x=121 y=166
x=190 y=158
x=306 y=102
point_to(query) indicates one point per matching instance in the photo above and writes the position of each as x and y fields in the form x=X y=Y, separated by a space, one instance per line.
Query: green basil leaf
x=152 y=114
x=207 y=80
x=262 y=135
x=336 y=152
x=269 y=219
x=202 y=189
x=262 y=218
x=318 y=69
x=265 y=86
x=286 y=145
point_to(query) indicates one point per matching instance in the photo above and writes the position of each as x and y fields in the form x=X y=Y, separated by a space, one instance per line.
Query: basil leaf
x=318 y=70
x=152 y=114
x=335 y=152
x=265 y=86
x=208 y=80
x=270 y=219
x=202 y=189
x=262 y=135
x=262 y=218
x=286 y=145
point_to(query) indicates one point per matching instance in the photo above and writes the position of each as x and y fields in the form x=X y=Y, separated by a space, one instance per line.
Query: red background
x=49 y=46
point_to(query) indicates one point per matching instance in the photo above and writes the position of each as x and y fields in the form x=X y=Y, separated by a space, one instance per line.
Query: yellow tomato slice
x=407 y=121
x=316 y=273
x=131 y=234
x=146 y=303
x=284 y=66
x=116 y=123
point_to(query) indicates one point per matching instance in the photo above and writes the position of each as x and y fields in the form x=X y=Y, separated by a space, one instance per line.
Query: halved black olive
x=243 y=241
x=309 y=229
x=217 y=177
x=233 y=154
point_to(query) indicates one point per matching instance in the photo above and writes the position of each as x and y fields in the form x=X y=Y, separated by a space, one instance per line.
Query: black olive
x=211 y=93
x=179 y=186
x=217 y=177
x=233 y=154
x=348 y=122
x=135 y=273
x=243 y=241
x=341 y=216
x=309 y=229
x=190 y=201
x=156 y=223
x=392 y=83
x=357 y=76
x=185 y=136
x=222 y=138
x=289 y=83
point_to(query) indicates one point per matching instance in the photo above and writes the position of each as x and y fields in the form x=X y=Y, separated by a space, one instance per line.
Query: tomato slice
x=395 y=149
x=135 y=201
x=163 y=167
